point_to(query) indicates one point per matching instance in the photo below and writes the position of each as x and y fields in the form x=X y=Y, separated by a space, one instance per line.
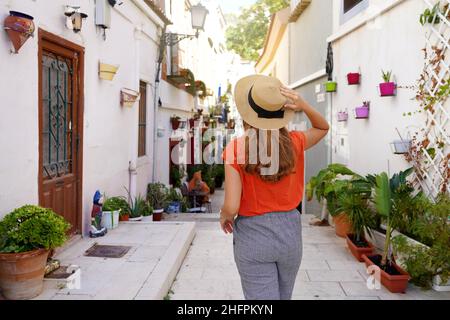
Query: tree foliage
x=246 y=35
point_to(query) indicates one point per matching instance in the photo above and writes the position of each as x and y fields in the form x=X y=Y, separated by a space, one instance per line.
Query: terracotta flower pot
x=124 y=217
x=157 y=214
x=19 y=27
x=394 y=283
x=22 y=274
x=358 y=252
x=342 y=225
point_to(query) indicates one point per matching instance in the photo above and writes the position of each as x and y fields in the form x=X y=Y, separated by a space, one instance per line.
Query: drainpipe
x=162 y=46
x=132 y=174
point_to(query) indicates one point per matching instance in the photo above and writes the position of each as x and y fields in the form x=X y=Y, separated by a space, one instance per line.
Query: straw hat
x=260 y=102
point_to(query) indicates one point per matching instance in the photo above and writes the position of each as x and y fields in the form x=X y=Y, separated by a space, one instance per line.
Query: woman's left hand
x=226 y=223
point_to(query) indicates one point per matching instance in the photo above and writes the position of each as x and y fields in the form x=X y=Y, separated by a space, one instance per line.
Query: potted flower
x=342 y=116
x=393 y=277
x=175 y=121
x=175 y=199
x=353 y=78
x=27 y=234
x=110 y=213
x=362 y=112
x=157 y=196
x=387 y=88
x=328 y=185
x=355 y=203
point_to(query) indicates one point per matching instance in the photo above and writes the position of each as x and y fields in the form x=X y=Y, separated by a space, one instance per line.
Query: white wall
x=391 y=42
x=110 y=131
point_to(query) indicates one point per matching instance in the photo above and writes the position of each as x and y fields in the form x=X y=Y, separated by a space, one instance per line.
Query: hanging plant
x=175 y=121
x=362 y=112
x=330 y=85
x=387 y=88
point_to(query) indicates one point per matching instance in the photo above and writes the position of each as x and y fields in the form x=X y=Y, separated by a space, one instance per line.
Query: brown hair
x=286 y=153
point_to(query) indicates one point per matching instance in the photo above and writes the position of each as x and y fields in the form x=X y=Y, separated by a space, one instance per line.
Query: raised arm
x=319 y=124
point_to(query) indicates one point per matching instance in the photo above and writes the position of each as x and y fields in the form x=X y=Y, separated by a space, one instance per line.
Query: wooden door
x=60 y=127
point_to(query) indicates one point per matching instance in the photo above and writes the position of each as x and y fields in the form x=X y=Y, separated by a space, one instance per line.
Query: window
x=142 y=134
x=350 y=4
x=350 y=8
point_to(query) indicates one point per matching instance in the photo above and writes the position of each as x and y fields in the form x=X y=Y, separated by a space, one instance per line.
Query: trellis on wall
x=430 y=150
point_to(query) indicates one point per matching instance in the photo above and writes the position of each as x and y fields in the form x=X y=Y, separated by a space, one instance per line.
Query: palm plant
x=355 y=203
x=387 y=193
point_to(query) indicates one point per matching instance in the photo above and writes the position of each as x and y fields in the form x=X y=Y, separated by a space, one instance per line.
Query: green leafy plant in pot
x=157 y=196
x=327 y=185
x=27 y=234
x=355 y=203
x=393 y=277
x=118 y=204
x=428 y=262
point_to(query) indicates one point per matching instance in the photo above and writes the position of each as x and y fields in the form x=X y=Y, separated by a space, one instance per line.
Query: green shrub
x=157 y=195
x=32 y=227
x=116 y=203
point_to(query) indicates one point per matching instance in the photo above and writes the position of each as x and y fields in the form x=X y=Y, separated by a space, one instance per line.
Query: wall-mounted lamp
x=74 y=18
x=198 y=17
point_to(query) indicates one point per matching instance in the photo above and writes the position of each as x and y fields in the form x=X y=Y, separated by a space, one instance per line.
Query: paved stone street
x=328 y=270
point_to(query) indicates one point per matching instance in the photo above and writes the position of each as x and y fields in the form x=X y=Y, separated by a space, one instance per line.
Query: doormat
x=107 y=251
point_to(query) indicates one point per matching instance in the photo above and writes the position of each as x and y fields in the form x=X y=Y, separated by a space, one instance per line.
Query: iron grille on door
x=142 y=136
x=57 y=116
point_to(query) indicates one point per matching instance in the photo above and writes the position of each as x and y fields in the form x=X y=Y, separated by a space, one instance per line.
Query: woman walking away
x=264 y=182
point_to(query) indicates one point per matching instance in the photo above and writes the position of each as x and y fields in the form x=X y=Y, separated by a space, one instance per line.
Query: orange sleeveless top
x=260 y=197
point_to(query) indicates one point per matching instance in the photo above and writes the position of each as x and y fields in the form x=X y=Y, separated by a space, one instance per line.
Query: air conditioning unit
x=103 y=14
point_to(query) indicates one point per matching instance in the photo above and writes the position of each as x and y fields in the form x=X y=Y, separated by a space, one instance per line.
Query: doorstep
x=146 y=272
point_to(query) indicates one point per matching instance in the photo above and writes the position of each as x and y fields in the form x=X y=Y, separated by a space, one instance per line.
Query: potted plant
x=327 y=185
x=19 y=27
x=176 y=174
x=175 y=121
x=174 y=199
x=107 y=71
x=353 y=78
x=110 y=213
x=387 y=88
x=393 y=277
x=342 y=116
x=117 y=204
x=157 y=196
x=138 y=208
x=400 y=146
x=355 y=203
x=426 y=256
x=27 y=234
x=362 y=112
x=330 y=85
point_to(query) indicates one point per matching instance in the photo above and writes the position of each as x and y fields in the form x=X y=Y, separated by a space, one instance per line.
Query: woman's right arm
x=319 y=124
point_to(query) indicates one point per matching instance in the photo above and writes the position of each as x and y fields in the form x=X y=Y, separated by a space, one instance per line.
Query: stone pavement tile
x=346 y=265
x=355 y=289
x=209 y=286
x=228 y=272
x=147 y=253
x=71 y=297
x=314 y=264
x=317 y=289
x=190 y=273
x=302 y=276
x=334 y=275
x=126 y=282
